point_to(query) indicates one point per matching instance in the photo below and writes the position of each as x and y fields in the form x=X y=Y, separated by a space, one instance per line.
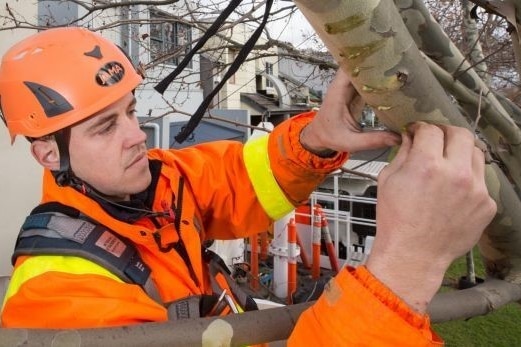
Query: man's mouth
x=137 y=159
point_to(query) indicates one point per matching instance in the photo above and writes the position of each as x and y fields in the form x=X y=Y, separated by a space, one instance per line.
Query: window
x=269 y=71
x=170 y=41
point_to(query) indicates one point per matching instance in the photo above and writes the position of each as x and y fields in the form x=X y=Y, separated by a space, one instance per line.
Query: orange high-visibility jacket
x=230 y=191
x=358 y=310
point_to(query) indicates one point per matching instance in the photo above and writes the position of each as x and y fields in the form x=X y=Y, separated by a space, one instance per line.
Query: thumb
x=372 y=140
x=356 y=106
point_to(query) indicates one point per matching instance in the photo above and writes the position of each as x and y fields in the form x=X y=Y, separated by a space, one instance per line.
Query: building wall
x=19 y=175
x=307 y=73
x=244 y=80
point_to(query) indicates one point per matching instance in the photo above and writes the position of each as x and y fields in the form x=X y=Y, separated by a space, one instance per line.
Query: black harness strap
x=54 y=233
x=178 y=245
x=217 y=266
x=236 y=64
x=58 y=234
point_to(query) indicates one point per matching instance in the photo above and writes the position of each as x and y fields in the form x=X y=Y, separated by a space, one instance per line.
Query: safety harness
x=59 y=234
x=55 y=233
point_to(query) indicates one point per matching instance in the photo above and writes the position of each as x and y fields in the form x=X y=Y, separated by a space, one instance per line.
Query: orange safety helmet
x=59 y=77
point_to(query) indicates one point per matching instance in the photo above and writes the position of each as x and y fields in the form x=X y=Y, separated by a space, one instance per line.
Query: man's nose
x=134 y=134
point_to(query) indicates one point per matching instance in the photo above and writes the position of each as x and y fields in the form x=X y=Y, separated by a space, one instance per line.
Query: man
x=70 y=92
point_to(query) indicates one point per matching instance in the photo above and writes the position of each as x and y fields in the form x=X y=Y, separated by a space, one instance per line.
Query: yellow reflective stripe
x=38 y=265
x=268 y=191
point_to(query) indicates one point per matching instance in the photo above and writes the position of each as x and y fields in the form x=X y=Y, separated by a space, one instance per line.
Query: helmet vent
x=95 y=53
x=51 y=101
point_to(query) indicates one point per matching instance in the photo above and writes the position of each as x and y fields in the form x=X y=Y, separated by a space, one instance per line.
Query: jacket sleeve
x=240 y=189
x=358 y=310
x=79 y=293
x=296 y=170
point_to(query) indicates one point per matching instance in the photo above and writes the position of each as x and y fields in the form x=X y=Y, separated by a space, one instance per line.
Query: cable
x=371 y=160
x=85 y=188
x=161 y=86
x=241 y=57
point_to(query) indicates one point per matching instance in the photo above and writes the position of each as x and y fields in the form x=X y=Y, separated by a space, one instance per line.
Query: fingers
x=459 y=145
x=478 y=163
x=351 y=99
x=356 y=106
x=443 y=150
x=362 y=141
x=341 y=91
x=450 y=149
x=428 y=141
x=455 y=144
x=398 y=160
x=341 y=79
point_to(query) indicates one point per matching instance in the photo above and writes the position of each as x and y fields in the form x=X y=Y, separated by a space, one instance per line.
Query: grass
x=497 y=329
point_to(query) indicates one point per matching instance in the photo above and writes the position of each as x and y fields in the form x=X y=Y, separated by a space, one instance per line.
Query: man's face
x=108 y=150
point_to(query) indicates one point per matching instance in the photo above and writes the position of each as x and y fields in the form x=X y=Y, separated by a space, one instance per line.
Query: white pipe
x=279 y=249
x=155 y=128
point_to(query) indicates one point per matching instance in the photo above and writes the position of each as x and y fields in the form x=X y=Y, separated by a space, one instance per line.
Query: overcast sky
x=294 y=29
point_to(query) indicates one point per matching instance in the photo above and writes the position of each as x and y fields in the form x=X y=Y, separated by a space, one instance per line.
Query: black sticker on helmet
x=110 y=74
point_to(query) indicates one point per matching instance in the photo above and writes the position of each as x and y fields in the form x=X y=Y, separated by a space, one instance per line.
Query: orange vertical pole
x=326 y=236
x=292 y=259
x=317 y=231
x=303 y=255
x=254 y=262
x=264 y=245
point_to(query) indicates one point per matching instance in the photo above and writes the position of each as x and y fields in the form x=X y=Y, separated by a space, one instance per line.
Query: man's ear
x=46 y=152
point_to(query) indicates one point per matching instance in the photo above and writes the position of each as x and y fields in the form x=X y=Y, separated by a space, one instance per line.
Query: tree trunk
x=370 y=41
x=496 y=125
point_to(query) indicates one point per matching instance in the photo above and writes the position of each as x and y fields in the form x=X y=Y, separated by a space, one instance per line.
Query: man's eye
x=107 y=128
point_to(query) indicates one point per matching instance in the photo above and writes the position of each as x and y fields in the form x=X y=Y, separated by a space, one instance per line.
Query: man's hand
x=433 y=205
x=334 y=126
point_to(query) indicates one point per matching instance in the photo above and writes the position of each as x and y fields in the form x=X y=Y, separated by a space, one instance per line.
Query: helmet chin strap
x=64 y=176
